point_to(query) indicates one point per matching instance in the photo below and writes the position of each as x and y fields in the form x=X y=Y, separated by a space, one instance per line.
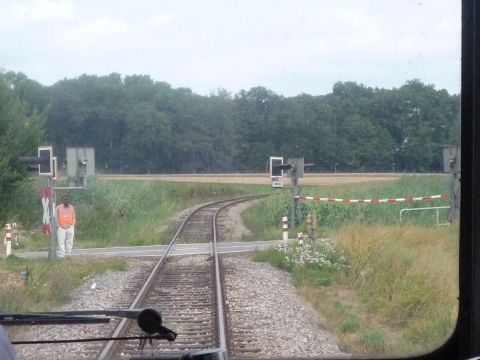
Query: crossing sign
x=46 y=194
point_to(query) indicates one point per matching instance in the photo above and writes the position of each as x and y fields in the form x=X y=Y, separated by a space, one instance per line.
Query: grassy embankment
x=265 y=219
x=109 y=213
x=136 y=212
x=40 y=285
x=384 y=288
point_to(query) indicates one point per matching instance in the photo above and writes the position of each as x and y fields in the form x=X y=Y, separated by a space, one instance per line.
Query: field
x=309 y=179
x=385 y=286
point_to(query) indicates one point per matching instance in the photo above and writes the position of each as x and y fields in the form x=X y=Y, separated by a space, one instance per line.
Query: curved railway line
x=187 y=291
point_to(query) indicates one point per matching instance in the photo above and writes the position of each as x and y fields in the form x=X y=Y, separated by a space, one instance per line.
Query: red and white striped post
x=8 y=240
x=285 y=227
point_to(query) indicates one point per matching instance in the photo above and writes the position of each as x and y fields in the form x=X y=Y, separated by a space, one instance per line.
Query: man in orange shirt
x=66 y=227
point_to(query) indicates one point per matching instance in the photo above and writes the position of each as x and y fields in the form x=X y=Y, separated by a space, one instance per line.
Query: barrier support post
x=8 y=240
x=312 y=230
x=285 y=228
x=300 y=238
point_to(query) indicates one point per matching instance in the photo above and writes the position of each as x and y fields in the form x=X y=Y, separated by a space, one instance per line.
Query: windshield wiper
x=65 y=317
x=149 y=320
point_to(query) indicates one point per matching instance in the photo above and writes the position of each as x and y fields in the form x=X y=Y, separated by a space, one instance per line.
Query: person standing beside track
x=66 y=227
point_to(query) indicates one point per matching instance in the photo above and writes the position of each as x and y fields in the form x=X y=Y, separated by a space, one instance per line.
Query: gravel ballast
x=261 y=298
x=258 y=297
x=99 y=292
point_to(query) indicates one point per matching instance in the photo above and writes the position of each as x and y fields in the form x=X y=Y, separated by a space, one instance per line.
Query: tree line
x=138 y=125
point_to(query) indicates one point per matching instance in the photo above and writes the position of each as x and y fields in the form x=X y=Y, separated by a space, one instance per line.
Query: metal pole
x=53 y=200
x=436 y=208
x=452 y=214
x=298 y=212
x=314 y=232
x=292 y=212
x=295 y=206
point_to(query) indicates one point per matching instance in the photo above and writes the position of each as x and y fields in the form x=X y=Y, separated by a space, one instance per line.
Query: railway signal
x=451 y=164
x=295 y=168
x=276 y=170
x=296 y=171
x=54 y=168
x=43 y=162
x=46 y=164
x=45 y=167
x=80 y=165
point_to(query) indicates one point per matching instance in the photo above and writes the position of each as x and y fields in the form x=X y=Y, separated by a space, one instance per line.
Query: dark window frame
x=465 y=340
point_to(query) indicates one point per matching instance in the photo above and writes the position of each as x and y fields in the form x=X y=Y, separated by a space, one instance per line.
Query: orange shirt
x=65 y=215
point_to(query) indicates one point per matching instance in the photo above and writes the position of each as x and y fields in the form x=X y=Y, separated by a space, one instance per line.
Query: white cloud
x=161 y=19
x=100 y=27
x=289 y=46
x=35 y=11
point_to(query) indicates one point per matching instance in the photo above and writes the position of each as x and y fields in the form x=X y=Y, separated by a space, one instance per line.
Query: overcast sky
x=290 y=47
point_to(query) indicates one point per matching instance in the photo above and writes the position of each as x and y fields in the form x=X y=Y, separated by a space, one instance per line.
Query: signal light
x=45 y=163
x=54 y=168
x=276 y=169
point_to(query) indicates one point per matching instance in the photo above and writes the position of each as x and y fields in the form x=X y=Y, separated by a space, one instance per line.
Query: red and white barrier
x=388 y=200
x=285 y=227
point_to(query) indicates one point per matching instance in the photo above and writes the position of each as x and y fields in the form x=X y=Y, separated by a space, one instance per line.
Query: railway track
x=186 y=290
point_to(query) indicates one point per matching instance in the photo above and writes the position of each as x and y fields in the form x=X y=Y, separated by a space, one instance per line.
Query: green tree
x=32 y=94
x=21 y=132
x=145 y=125
x=146 y=147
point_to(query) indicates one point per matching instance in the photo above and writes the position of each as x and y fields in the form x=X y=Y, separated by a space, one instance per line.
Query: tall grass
x=397 y=293
x=264 y=219
x=43 y=284
x=134 y=212
x=408 y=275
x=402 y=278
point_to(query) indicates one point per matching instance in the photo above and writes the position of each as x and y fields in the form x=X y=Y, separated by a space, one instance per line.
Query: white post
x=285 y=227
x=8 y=240
x=15 y=233
x=300 y=238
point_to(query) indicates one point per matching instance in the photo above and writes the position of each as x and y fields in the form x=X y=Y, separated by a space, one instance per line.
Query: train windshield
x=269 y=179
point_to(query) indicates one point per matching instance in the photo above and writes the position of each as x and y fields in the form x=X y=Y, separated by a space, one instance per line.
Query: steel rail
x=222 y=336
x=109 y=348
